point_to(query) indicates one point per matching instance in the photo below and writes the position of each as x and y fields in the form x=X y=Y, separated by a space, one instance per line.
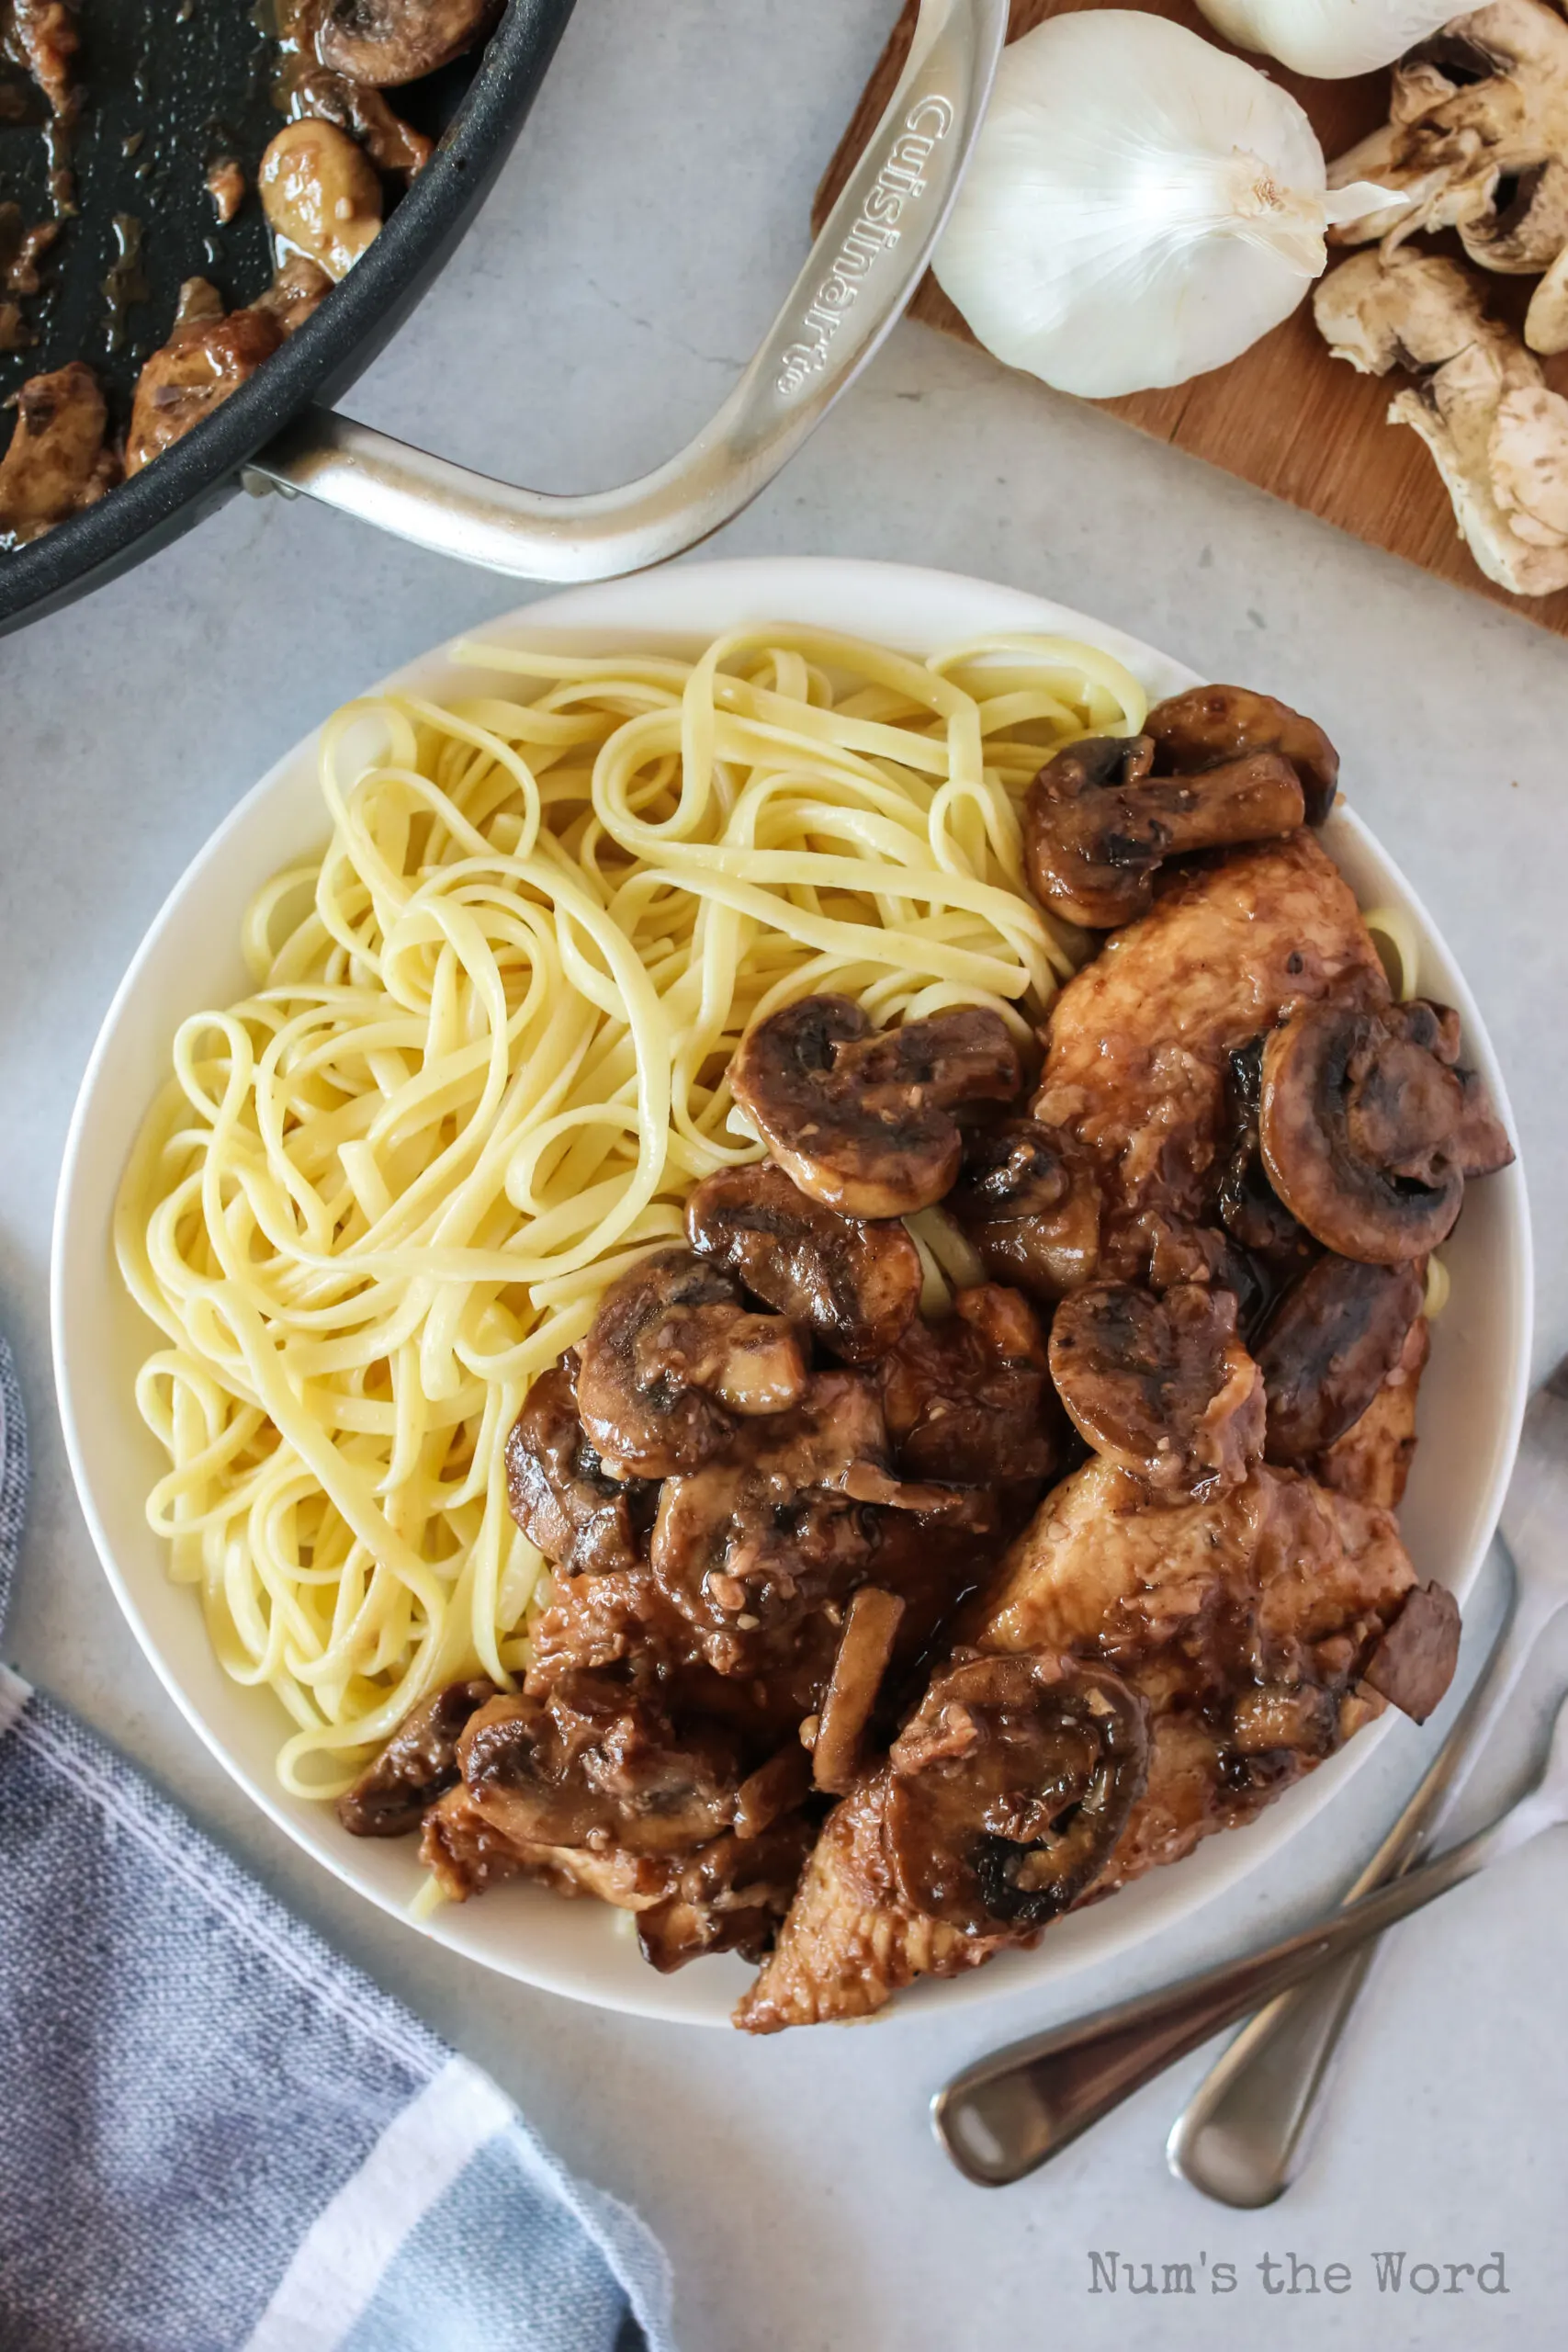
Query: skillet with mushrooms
x=340 y=158
x=885 y=1630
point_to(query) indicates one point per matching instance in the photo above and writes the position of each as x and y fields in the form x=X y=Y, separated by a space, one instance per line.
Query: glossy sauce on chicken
x=853 y=1662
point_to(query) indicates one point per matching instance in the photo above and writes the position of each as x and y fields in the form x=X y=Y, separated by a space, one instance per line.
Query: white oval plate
x=1471 y=1399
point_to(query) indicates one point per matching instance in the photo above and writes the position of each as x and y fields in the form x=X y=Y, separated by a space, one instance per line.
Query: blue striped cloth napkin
x=218 y=2135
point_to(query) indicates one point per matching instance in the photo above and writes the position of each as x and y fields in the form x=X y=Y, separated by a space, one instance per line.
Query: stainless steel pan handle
x=860 y=275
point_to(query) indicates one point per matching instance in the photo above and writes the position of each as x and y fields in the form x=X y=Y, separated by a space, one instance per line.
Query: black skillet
x=191 y=84
x=192 y=75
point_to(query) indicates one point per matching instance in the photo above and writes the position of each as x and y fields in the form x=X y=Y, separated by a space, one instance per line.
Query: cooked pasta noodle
x=483 y=1061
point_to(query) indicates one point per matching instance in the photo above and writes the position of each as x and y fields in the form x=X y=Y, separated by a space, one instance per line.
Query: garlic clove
x=1140 y=207
x=1328 y=38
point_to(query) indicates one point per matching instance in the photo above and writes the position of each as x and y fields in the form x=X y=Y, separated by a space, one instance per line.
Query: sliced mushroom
x=871 y=1627
x=1161 y=1386
x=1414 y=1663
x=1300 y=1719
x=1475 y=110
x=592 y=1765
x=970 y=1399
x=418 y=1764
x=1010 y=1788
x=673 y=1357
x=861 y=1118
x=1028 y=1200
x=1210 y=730
x=1329 y=1345
x=320 y=196
x=1098 y=824
x=1499 y=435
x=558 y=1492
x=855 y=1284
x=1250 y=1209
x=1368 y=1131
x=384 y=43
x=731 y=1896
x=392 y=144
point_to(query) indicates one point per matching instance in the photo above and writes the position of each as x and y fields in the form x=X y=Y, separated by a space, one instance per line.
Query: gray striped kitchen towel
x=219 y=2135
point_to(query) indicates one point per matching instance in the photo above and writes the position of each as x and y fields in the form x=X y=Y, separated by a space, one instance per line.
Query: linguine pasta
x=483 y=1062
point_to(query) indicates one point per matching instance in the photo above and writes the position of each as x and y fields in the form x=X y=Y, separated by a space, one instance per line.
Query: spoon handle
x=1241 y=2137
x=1001 y=2119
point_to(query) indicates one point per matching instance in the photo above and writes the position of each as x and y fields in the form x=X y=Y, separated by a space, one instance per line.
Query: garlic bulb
x=1140 y=206
x=1328 y=38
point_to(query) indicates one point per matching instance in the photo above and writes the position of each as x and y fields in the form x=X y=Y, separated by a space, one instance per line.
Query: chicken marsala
x=879 y=1637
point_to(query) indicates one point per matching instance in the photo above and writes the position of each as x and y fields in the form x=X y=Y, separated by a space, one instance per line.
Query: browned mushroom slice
x=860 y=1117
x=757 y=1541
x=1414 y=1663
x=970 y=1399
x=592 y=1765
x=321 y=195
x=559 y=1493
x=1097 y=825
x=1368 y=1131
x=1329 y=1345
x=857 y=1284
x=418 y=1764
x=1161 y=1386
x=1213 y=728
x=1028 y=1204
x=1250 y=1209
x=1010 y=1787
x=870 y=1629
x=384 y=43
x=672 y=1358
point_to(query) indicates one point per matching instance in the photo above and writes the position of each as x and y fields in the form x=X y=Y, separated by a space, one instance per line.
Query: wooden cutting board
x=1284 y=416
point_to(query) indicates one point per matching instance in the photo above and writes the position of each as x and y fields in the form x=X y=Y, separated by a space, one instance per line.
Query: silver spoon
x=1004 y=2117
x=1242 y=2136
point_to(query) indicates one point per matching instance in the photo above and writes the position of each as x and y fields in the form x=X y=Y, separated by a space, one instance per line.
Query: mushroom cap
x=860 y=1117
x=384 y=43
x=1367 y=1127
x=671 y=1358
x=591 y=1762
x=1161 y=1386
x=1210 y=728
x=1328 y=1348
x=1099 y=824
x=1028 y=1201
x=969 y=1399
x=855 y=1283
x=1010 y=1787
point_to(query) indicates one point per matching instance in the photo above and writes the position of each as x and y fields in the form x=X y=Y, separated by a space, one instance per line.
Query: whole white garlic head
x=1140 y=207
x=1328 y=38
